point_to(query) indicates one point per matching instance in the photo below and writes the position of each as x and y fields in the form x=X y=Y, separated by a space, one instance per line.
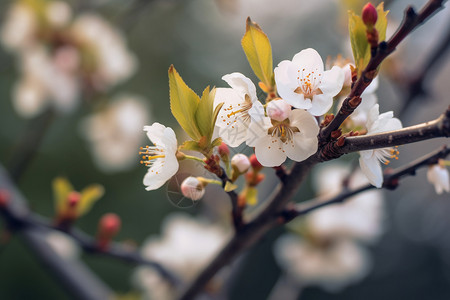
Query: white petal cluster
x=114 y=133
x=185 y=247
x=295 y=137
x=438 y=176
x=370 y=159
x=304 y=84
x=161 y=157
x=284 y=127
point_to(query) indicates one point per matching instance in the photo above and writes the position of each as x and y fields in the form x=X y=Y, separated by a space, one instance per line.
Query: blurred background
x=202 y=39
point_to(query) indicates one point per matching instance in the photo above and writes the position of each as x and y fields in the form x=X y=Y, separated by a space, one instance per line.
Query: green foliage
x=258 y=50
x=358 y=36
x=196 y=116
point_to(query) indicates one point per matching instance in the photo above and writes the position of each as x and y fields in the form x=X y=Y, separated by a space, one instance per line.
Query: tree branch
x=391 y=181
x=410 y=22
x=439 y=127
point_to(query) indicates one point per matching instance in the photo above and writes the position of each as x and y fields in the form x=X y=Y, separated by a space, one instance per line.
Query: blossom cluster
x=286 y=125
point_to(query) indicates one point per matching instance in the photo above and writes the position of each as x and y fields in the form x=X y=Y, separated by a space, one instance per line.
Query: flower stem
x=193 y=158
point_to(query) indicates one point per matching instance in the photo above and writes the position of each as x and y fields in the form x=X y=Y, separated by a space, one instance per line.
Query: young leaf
x=381 y=24
x=257 y=48
x=89 y=196
x=191 y=146
x=204 y=113
x=358 y=40
x=183 y=104
x=61 y=190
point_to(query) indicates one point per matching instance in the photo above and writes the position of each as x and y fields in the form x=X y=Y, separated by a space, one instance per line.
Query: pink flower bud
x=4 y=198
x=369 y=15
x=223 y=149
x=240 y=162
x=73 y=198
x=278 y=110
x=256 y=165
x=192 y=188
x=108 y=227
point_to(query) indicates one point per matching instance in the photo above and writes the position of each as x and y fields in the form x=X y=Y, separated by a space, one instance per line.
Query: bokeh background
x=202 y=39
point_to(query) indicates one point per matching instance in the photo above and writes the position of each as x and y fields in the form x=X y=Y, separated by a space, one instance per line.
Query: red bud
x=73 y=198
x=108 y=227
x=223 y=150
x=256 y=165
x=369 y=15
x=4 y=198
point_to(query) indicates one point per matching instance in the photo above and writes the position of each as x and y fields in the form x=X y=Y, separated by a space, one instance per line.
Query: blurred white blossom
x=113 y=61
x=114 y=133
x=62 y=57
x=63 y=245
x=185 y=247
x=359 y=217
x=439 y=177
x=332 y=266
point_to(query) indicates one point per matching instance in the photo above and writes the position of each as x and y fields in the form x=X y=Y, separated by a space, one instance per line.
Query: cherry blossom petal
x=269 y=151
x=309 y=59
x=300 y=148
x=370 y=165
x=241 y=84
x=305 y=122
x=332 y=81
x=321 y=104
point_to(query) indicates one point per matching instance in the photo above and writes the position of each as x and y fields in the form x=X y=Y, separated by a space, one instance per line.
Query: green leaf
x=216 y=142
x=252 y=196
x=358 y=40
x=229 y=186
x=191 y=146
x=381 y=24
x=358 y=36
x=204 y=114
x=257 y=48
x=89 y=196
x=61 y=190
x=183 y=104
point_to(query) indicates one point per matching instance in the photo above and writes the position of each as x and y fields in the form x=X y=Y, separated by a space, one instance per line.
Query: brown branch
x=391 y=181
x=20 y=219
x=410 y=22
x=439 y=127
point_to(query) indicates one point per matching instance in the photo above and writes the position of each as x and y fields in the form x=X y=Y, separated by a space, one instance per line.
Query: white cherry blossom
x=161 y=157
x=235 y=116
x=370 y=159
x=192 y=188
x=114 y=132
x=295 y=137
x=439 y=177
x=360 y=217
x=303 y=83
x=333 y=265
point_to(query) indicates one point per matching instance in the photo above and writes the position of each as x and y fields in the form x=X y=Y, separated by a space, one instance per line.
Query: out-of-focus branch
x=20 y=219
x=410 y=22
x=236 y=210
x=391 y=181
x=416 y=82
x=28 y=145
x=439 y=127
x=73 y=275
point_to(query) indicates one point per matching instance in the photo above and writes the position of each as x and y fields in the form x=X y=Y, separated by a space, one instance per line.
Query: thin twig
x=391 y=181
x=410 y=22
